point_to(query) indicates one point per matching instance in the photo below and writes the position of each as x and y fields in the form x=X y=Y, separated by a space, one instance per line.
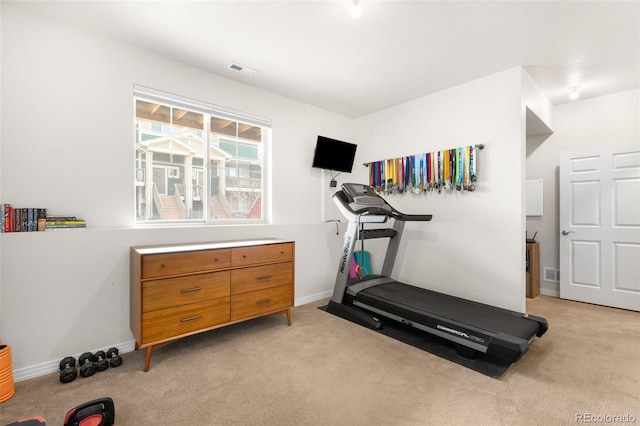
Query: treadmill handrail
x=395 y=214
x=415 y=217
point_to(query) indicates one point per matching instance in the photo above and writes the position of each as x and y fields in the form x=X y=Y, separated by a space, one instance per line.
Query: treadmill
x=472 y=327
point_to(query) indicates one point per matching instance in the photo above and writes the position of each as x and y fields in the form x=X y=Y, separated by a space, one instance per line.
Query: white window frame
x=176 y=101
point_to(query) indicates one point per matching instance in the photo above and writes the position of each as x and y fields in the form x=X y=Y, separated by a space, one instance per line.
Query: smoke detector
x=242 y=69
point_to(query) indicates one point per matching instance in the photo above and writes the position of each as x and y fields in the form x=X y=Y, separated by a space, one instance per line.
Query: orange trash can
x=6 y=373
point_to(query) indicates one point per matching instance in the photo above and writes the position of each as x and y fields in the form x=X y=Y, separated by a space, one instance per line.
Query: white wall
x=474 y=246
x=67 y=145
x=69 y=114
x=607 y=120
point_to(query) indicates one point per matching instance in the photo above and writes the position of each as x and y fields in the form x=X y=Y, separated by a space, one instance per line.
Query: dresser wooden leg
x=147 y=358
x=288 y=316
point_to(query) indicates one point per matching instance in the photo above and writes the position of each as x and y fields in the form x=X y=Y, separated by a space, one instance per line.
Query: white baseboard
x=48 y=367
x=547 y=292
x=313 y=298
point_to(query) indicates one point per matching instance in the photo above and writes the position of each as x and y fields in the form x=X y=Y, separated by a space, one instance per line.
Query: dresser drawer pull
x=190 y=290
x=264 y=277
x=264 y=301
x=190 y=318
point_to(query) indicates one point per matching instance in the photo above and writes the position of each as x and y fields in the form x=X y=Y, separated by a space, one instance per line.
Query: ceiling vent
x=242 y=69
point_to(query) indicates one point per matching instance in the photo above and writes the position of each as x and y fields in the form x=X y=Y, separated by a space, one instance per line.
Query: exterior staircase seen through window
x=170 y=209
x=218 y=211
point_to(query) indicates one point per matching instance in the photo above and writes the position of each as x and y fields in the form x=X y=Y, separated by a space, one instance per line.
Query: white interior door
x=600 y=226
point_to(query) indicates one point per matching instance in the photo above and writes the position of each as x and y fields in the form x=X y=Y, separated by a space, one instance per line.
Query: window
x=196 y=162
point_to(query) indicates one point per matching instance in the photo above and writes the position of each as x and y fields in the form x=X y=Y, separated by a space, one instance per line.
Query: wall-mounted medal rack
x=448 y=170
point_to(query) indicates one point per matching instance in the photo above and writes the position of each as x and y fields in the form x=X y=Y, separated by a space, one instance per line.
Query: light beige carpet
x=324 y=370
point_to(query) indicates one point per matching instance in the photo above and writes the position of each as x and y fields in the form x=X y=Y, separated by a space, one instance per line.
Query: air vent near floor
x=551 y=274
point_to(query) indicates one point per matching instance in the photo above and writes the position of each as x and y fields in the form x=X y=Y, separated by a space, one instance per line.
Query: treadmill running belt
x=415 y=303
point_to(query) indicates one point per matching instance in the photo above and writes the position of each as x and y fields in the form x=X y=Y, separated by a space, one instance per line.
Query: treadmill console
x=362 y=200
x=362 y=194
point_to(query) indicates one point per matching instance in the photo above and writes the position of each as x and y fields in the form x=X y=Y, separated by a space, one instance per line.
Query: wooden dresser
x=183 y=289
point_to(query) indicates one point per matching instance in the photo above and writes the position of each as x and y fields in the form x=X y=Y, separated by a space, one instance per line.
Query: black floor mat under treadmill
x=482 y=363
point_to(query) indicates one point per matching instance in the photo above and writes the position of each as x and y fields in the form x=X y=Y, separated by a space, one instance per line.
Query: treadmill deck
x=422 y=306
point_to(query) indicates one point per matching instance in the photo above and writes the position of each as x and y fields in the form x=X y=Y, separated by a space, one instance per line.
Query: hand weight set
x=89 y=364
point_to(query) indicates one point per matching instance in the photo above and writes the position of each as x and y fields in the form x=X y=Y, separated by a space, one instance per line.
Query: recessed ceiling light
x=355 y=8
x=573 y=92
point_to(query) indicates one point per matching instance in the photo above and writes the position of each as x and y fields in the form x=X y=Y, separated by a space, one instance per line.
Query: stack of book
x=54 y=223
x=36 y=219
x=23 y=219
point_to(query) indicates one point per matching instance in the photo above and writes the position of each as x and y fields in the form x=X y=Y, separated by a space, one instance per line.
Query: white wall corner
x=538 y=106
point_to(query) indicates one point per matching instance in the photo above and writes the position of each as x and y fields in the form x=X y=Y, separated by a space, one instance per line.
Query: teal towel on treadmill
x=363 y=259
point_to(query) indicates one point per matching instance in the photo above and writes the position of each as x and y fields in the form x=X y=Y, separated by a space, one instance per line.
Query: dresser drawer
x=261 y=277
x=170 y=292
x=261 y=301
x=158 y=265
x=268 y=253
x=166 y=323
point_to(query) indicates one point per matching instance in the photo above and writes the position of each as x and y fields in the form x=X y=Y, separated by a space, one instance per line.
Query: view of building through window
x=192 y=165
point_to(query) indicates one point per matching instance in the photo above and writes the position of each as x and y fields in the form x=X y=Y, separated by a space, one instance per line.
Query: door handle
x=566 y=232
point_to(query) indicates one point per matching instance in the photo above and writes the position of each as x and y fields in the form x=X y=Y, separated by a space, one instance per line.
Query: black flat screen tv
x=332 y=154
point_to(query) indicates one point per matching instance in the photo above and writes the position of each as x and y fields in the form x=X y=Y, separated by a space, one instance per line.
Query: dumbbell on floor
x=115 y=360
x=88 y=366
x=101 y=361
x=68 y=371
